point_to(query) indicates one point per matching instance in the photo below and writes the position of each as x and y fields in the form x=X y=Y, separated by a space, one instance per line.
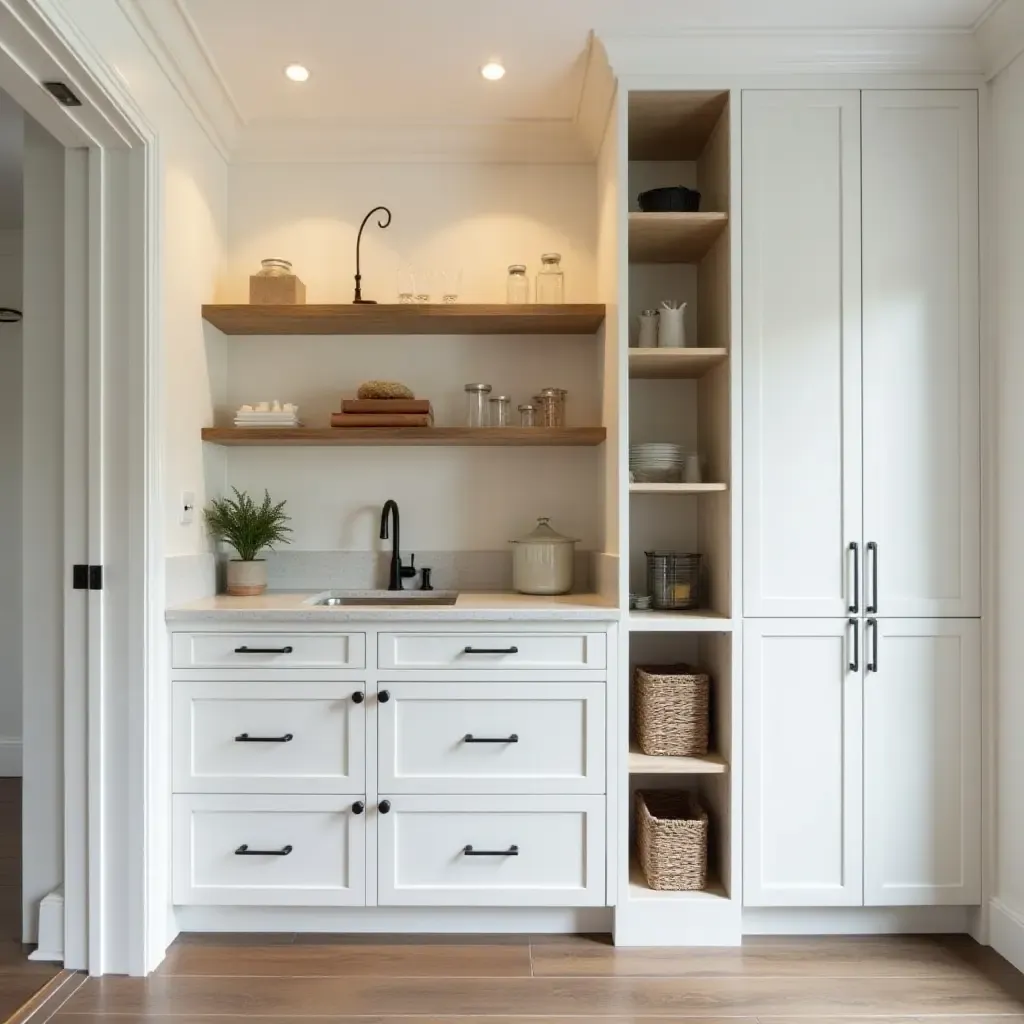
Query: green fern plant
x=246 y=526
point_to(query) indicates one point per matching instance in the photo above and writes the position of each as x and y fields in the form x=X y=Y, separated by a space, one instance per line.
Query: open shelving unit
x=674 y=363
x=674 y=237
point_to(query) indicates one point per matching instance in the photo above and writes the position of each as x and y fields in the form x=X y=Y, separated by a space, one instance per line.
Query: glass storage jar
x=552 y=407
x=501 y=411
x=476 y=404
x=550 y=289
x=527 y=415
x=274 y=268
x=517 y=287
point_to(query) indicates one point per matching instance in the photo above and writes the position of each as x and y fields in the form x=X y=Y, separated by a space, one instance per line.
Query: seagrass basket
x=672 y=840
x=671 y=710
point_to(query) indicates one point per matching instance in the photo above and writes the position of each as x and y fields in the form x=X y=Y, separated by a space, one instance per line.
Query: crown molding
x=169 y=34
x=596 y=97
x=1000 y=35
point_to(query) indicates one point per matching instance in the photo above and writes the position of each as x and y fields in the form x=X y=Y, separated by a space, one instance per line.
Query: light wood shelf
x=551 y=437
x=674 y=363
x=677 y=488
x=673 y=237
x=672 y=125
x=647 y=764
x=701 y=621
x=413 y=318
x=640 y=890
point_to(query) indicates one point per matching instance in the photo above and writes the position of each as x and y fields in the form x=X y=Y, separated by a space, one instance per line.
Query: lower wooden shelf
x=501 y=437
x=709 y=488
x=640 y=890
x=679 y=622
x=649 y=764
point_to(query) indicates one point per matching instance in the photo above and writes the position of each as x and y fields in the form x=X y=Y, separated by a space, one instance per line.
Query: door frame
x=113 y=208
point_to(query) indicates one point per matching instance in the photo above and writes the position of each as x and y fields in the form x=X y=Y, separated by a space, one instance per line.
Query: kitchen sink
x=384 y=599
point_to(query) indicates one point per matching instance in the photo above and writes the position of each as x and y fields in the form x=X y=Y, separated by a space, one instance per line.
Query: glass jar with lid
x=517 y=287
x=476 y=404
x=501 y=411
x=550 y=289
x=552 y=407
x=274 y=268
x=527 y=415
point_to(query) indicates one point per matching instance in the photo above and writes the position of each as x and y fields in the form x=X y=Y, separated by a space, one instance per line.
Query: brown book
x=388 y=406
x=351 y=419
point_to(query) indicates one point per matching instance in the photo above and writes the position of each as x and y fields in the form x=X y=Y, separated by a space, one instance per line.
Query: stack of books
x=384 y=412
x=268 y=414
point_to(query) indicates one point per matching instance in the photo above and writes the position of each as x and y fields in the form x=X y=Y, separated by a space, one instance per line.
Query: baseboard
x=10 y=757
x=1006 y=933
x=858 y=920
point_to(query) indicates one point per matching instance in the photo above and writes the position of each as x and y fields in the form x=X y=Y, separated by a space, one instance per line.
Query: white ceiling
x=418 y=60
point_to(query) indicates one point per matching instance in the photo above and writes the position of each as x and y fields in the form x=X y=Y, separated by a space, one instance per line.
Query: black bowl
x=674 y=199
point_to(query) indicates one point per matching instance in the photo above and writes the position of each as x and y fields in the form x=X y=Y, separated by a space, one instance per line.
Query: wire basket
x=674 y=580
x=672 y=840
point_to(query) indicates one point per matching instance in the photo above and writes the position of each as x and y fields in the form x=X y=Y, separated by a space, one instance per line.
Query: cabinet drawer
x=315 y=851
x=268 y=737
x=471 y=652
x=492 y=738
x=268 y=650
x=492 y=851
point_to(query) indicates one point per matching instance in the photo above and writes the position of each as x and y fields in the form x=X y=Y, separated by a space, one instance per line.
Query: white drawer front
x=324 y=867
x=473 y=652
x=492 y=738
x=268 y=737
x=268 y=650
x=557 y=842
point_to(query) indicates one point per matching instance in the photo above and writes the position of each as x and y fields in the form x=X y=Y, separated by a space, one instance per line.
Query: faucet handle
x=408 y=571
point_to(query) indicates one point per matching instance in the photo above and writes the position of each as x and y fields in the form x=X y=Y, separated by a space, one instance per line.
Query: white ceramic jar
x=543 y=562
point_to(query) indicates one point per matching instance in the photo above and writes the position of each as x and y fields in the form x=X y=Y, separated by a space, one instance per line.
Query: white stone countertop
x=290 y=606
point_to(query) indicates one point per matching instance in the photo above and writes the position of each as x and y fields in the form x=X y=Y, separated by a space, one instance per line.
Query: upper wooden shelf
x=648 y=764
x=406 y=319
x=674 y=363
x=705 y=488
x=502 y=437
x=672 y=125
x=673 y=237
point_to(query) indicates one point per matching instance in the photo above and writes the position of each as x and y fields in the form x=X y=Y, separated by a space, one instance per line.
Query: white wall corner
x=10 y=757
x=1000 y=36
x=170 y=35
x=596 y=96
x=1006 y=933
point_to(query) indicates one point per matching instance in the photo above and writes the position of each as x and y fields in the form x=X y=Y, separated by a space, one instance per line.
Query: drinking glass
x=451 y=284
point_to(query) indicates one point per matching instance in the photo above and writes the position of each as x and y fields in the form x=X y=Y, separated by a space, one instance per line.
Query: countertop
x=290 y=606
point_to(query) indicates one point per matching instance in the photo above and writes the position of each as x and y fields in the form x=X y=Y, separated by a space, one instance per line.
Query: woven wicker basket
x=672 y=836
x=670 y=710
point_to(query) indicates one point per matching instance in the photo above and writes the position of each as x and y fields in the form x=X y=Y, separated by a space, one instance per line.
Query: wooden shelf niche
x=473 y=437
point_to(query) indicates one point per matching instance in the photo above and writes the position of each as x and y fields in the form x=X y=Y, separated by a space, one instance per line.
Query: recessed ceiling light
x=297 y=73
x=492 y=71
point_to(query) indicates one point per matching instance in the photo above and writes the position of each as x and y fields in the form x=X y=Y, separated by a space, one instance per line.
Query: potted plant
x=249 y=529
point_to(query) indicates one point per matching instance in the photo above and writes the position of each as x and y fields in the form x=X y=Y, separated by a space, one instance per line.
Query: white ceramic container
x=543 y=562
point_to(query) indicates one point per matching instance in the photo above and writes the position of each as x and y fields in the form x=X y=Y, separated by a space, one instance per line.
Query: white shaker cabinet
x=922 y=762
x=922 y=490
x=802 y=818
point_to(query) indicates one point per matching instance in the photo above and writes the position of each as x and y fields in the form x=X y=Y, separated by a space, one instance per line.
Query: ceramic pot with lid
x=543 y=561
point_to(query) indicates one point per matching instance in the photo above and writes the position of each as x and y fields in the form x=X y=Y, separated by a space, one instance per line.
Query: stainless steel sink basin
x=385 y=599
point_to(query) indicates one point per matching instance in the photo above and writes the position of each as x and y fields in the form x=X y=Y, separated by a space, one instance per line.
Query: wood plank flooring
x=286 y=979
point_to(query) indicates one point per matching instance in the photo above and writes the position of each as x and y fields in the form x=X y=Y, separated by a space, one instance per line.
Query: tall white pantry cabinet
x=861 y=507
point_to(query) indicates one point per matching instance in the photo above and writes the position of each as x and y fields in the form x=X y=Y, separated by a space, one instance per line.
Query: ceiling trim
x=1000 y=35
x=597 y=94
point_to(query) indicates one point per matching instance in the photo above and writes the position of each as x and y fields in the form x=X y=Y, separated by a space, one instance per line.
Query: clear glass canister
x=527 y=415
x=517 y=287
x=552 y=407
x=550 y=280
x=274 y=268
x=501 y=411
x=476 y=404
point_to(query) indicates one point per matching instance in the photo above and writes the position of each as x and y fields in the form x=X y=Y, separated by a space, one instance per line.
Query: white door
x=922 y=762
x=801 y=352
x=802 y=763
x=921 y=352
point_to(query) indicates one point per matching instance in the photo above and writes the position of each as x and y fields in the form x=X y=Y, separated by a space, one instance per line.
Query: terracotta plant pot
x=247 y=579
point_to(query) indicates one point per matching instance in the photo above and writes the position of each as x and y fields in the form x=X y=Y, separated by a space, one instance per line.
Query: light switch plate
x=188 y=508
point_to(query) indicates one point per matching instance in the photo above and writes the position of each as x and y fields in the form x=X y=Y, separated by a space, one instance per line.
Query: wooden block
x=286 y=290
x=380 y=419
x=387 y=405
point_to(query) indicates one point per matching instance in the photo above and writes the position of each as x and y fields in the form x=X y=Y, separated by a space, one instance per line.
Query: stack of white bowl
x=655 y=463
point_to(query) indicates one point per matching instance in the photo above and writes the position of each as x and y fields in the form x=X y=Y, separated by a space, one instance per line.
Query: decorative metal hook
x=381 y=223
x=9 y=316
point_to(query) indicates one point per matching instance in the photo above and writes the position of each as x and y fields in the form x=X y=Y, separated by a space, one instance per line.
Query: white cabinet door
x=801 y=352
x=802 y=722
x=921 y=351
x=922 y=762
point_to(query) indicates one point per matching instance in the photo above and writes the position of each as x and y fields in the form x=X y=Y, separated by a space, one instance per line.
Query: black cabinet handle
x=855 y=663
x=244 y=851
x=872 y=547
x=264 y=650
x=384 y=806
x=384 y=696
x=246 y=738
x=855 y=551
x=358 y=697
x=358 y=807
x=872 y=624
x=490 y=650
x=470 y=738
x=512 y=851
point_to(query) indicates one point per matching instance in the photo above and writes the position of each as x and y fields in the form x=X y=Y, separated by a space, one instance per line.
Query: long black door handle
x=490 y=650
x=246 y=738
x=264 y=650
x=470 y=738
x=855 y=551
x=872 y=547
x=244 y=851
x=855 y=663
x=872 y=625
x=512 y=851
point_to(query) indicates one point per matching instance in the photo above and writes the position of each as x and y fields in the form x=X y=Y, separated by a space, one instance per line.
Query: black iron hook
x=381 y=223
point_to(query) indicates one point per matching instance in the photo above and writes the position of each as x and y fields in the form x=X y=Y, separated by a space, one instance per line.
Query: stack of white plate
x=656 y=463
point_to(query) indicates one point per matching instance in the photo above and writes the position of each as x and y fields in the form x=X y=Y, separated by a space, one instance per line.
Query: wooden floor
x=412 y=980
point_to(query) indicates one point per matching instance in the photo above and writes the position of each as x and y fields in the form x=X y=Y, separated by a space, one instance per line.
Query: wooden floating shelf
x=673 y=237
x=677 y=488
x=640 y=890
x=647 y=764
x=674 y=363
x=405 y=319
x=679 y=622
x=550 y=437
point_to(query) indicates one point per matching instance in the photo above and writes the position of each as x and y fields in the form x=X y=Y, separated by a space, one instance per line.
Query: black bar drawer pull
x=490 y=650
x=855 y=551
x=246 y=738
x=872 y=547
x=855 y=663
x=872 y=625
x=470 y=738
x=512 y=851
x=264 y=650
x=244 y=851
